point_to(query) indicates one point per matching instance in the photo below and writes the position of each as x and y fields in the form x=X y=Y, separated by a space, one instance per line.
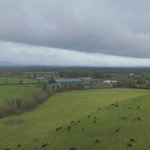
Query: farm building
x=65 y=80
x=40 y=78
x=85 y=78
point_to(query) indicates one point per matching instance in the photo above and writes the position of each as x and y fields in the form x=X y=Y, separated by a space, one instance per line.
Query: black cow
x=79 y=121
x=19 y=145
x=138 y=107
x=118 y=129
x=8 y=149
x=132 y=140
x=88 y=116
x=138 y=118
x=123 y=118
x=112 y=104
x=44 y=145
x=116 y=105
x=94 y=117
x=99 y=108
x=59 y=128
x=129 y=144
x=96 y=140
x=71 y=121
x=69 y=127
x=74 y=124
x=94 y=121
x=72 y=148
x=36 y=148
x=82 y=129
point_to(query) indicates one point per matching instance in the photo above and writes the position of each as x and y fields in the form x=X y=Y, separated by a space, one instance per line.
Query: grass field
x=9 y=91
x=62 y=108
x=11 y=80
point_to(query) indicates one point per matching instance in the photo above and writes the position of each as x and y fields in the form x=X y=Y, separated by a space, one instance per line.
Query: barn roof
x=64 y=80
x=68 y=80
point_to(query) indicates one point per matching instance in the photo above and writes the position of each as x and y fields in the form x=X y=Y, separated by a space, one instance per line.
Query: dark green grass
x=62 y=108
x=9 y=91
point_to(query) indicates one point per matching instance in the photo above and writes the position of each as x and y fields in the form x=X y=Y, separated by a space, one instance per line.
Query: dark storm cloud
x=113 y=27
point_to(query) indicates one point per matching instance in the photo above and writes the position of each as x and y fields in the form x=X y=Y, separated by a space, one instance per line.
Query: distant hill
x=7 y=63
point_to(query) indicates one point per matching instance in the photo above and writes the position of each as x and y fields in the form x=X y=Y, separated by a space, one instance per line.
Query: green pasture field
x=62 y=108
x=9 y=91
x=15 y=80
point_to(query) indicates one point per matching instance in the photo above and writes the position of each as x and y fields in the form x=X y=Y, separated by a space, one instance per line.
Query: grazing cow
x=138 y=107
x=19 y=145
x=94 y=117
x=58 y=128
x=123 y=118
x=134 y=119
x=72 y=148
x=71 y=121
x=35 y=139
x=96 y=140
x=118 y=129
x=138 y=118
x=112 y=104
x=132 y=140
x=88 y=116
x=82 y=129
x=74 y=124
x=44 y=145
x=79 y=121
x=99 y=108
x=129 y=107
x=129 y=144
x=69 y=128
x=8 y=149
x=116 y=105
x=94 y=121
x=36 y=148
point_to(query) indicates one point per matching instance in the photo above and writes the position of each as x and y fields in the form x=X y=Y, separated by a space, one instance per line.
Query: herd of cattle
x=73 y=123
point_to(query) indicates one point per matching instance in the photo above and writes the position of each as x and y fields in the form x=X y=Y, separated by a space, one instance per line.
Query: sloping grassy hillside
x=62 y=108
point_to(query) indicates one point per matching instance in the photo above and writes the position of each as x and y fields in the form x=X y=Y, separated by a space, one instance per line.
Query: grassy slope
x=9 y=91
x=60 y=109
x=16 y=80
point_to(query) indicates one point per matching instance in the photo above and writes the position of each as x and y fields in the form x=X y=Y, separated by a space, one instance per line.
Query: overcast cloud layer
x=108 y=27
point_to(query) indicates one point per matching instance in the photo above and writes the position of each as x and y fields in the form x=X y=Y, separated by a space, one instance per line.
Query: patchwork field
x=14 y=80
x=9 y=91
x=46 y=74
x=62 y=108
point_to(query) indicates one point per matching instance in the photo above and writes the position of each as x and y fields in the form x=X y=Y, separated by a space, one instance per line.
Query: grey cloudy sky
x=75 y=32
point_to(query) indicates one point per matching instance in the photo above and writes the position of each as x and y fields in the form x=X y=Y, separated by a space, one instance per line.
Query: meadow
x=15 y=80
x=62 y=108
x=10 y=91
